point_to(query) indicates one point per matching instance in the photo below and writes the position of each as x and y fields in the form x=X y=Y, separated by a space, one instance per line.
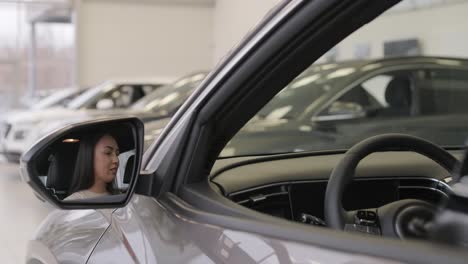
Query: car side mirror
x=341 y=111
x=90 y=165
x=105 y=104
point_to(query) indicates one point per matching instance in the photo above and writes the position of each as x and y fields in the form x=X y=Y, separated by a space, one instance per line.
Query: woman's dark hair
x=83 y=176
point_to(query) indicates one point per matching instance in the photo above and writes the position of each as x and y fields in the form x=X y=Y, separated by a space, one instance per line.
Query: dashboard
x=294 y=199
x=293 y=186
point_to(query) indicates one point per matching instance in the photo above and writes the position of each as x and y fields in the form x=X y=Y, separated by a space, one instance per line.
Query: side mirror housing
x=89 y=165
x=341 y=111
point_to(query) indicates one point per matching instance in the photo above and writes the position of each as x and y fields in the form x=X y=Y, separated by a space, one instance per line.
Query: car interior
x=293 y=186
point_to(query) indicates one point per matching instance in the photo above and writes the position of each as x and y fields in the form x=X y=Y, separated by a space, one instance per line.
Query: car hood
x=276 y=135
x=262 y=136
x=71 y=234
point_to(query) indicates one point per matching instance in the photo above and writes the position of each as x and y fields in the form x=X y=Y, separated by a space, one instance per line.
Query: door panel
x=149 y=232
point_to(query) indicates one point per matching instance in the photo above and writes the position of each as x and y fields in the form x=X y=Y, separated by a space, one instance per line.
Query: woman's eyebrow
x=112 y=148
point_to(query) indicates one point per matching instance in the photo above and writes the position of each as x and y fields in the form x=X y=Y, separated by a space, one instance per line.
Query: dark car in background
x=332 y=106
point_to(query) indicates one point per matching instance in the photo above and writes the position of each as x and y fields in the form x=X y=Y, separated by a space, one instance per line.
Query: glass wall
x=36 y=50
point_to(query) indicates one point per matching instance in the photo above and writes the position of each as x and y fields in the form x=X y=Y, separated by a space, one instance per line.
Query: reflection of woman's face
x=106 y=159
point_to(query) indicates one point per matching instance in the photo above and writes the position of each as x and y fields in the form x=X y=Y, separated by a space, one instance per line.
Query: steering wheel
x=404 y=218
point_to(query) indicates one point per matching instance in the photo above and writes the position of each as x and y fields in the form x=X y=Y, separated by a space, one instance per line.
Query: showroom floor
x=22 y=213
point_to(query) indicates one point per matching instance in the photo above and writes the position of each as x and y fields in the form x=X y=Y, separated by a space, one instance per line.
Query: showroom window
x=37 y=50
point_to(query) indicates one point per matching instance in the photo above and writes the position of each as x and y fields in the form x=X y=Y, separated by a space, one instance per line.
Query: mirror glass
x=89 y=163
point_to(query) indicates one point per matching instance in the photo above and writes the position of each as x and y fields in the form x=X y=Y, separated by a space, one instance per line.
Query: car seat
x=61 y=168
x=398 y=96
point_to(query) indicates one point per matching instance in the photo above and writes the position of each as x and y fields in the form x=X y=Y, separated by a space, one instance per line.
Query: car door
x=441 y=112
x=184 y=219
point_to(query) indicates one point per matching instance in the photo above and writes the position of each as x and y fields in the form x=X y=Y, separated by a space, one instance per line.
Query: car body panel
x=148 y=232
x=70 y=236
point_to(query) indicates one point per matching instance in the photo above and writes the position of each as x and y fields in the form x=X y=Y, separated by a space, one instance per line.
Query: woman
x=96 y=166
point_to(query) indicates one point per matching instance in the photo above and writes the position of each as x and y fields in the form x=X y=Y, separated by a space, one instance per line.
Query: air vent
x=273 y=200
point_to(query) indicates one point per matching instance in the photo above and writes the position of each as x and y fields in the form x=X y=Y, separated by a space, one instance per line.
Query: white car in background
x=19 y=131
x=56 y=98
x=59 y=98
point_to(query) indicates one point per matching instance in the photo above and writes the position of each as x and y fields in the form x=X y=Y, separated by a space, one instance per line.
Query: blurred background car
x=164 y=102
x=61 y=98
x=334 y=108
x=58 y=98
x=19 y=131
x=334 y=105
x=29 y=100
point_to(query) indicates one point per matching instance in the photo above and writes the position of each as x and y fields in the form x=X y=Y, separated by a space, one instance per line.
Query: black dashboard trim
x=441 y=182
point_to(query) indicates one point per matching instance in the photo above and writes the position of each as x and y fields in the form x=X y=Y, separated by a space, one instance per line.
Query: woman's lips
x=114 y=170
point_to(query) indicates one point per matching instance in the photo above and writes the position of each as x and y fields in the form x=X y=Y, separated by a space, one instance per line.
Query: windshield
x=90 y=95
x=166 y=100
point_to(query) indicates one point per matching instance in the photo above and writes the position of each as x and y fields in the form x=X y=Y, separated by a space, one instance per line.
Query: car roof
x=141 y=80
x=394 y=61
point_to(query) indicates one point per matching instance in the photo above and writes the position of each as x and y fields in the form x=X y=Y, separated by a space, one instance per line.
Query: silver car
x=179 y=202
